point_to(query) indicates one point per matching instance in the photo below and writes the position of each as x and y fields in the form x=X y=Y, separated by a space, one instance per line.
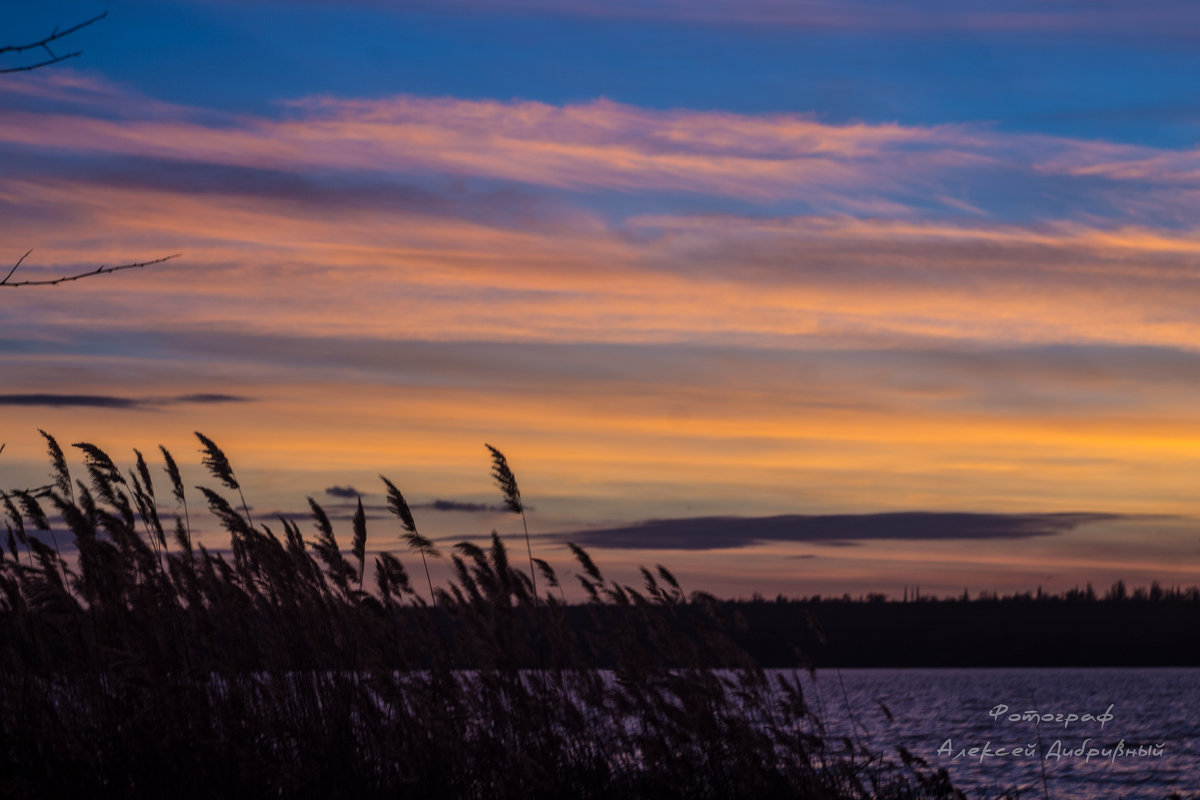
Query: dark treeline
x=1119 y=591
x=145 y=666
x=1025 y=630
x=698 y=632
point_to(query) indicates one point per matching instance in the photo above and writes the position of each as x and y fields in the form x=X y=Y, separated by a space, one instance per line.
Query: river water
x=1115 y=734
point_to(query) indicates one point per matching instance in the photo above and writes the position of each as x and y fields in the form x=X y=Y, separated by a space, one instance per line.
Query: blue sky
x=1127 y=82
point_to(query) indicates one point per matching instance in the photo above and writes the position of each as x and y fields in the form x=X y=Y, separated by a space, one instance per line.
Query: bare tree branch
x=44 y=44
x=100 y=270
x=54 y=58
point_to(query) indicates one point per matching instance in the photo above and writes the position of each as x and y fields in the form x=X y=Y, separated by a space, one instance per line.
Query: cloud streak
x=595 y=146
x=720 y=533
x=457 y=505
x=114 y=402
x=598 y=146
x=254 y=266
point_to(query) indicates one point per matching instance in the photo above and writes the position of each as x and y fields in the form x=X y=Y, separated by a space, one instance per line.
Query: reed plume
x=399 y=506
x=58 y=466
x=183 y=528
x=359 y=543
x=507 y=483
x=339 y=569
x=215 y=461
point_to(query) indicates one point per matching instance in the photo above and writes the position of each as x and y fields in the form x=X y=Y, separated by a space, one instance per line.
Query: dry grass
x=143 y=666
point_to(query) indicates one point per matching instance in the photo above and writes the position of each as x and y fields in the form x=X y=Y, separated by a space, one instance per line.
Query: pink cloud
x=267 y=265
x=598 y=145
x=880 y=170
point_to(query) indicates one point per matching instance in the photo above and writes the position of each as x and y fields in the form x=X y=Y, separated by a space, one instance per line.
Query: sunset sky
x=714 y=264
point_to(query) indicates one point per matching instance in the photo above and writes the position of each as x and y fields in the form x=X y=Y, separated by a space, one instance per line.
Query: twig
x=100 y=270
x=16 y=266
x=44 y=44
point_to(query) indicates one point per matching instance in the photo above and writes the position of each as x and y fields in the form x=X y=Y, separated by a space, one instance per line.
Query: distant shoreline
x=1010 y=633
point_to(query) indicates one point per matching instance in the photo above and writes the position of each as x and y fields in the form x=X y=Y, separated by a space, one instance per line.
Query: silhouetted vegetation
x=142 y=664
x=1150 y=627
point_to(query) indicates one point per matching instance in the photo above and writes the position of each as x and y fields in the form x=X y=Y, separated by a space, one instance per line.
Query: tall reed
x=134 y=666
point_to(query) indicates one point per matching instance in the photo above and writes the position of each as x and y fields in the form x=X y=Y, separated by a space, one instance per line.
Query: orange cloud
x=598 y=145
x=742 y=363
x=265 y=265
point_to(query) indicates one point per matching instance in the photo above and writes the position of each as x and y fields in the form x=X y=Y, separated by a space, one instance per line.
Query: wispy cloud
x=457 y=505
x=595 y=146
x=256 y=266
x=109 y=401
x=599 y=146
x=716 y=533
